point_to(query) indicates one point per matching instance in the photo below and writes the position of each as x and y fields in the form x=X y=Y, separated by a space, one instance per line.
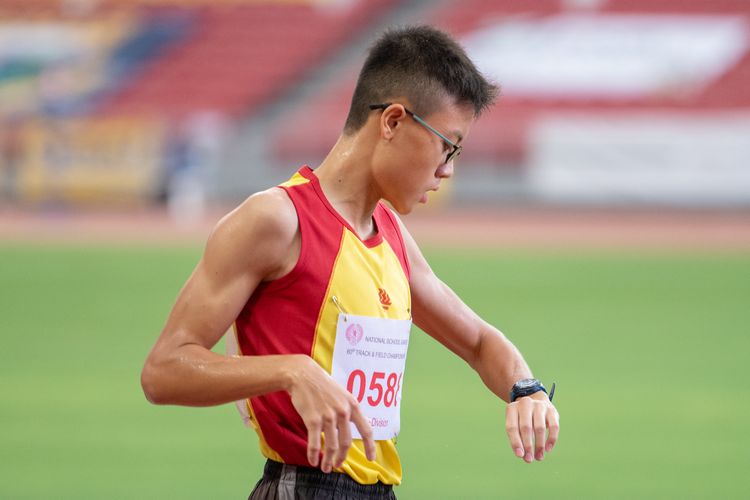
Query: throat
x=366 y=231
x=364 y=228
x=351 y=196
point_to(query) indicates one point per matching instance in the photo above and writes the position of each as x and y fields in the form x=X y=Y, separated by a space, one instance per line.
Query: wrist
x=294 y=370
x=541 y=396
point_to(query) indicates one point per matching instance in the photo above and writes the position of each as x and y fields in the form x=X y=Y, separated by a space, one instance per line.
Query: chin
x=402 y=208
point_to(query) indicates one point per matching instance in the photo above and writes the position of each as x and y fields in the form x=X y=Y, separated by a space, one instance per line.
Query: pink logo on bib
x=354 y=333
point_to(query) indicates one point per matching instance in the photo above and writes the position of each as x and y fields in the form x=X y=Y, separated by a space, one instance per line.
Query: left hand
x=527 y=421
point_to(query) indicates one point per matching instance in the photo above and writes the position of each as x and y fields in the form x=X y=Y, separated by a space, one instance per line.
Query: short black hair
x=423 y=64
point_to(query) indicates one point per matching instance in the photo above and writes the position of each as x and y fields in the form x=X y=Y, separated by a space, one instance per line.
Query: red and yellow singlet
x=296 y=314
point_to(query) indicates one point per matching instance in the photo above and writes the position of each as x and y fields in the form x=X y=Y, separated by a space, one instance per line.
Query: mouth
x=423 y=199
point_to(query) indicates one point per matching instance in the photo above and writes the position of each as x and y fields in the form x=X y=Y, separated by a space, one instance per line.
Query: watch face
x=526 y=383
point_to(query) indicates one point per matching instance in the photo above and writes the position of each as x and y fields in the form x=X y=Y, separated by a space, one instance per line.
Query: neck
x=346 y=179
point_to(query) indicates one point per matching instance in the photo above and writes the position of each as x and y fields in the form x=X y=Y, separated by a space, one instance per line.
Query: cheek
x=417 y=149
x=405 y=166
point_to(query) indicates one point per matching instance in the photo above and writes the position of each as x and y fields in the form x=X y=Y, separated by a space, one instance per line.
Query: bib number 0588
x=382 y=387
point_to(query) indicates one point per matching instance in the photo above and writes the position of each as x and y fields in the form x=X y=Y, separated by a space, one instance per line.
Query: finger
x=540 y=431
x=331 y=443
x=553 y=424
x=345 y=439
x=525 y=425
x=511 y=429
x=363 y=426
x=313 y=441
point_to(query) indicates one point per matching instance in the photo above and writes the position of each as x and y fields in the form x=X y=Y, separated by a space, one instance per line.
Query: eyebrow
x=458 y=134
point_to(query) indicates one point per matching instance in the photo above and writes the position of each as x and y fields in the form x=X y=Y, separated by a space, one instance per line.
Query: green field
x=649 y=352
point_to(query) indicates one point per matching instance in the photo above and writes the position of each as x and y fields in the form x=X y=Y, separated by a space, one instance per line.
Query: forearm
x=498 y=362
x=195 y=376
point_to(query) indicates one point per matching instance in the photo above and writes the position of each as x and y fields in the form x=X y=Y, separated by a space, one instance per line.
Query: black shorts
x=292 y=482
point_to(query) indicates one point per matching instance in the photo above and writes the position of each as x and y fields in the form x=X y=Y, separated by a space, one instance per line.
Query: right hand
x=327 y=407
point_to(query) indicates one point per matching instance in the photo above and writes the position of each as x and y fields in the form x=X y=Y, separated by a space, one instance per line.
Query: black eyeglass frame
x=452 y=154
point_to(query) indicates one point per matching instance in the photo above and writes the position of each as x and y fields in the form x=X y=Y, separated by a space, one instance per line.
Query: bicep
x=246 y=247
x=209 y=302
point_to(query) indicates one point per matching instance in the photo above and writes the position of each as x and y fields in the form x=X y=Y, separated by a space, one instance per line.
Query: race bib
x=369 y=358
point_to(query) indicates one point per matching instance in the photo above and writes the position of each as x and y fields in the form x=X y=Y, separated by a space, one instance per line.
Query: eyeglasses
x=452 y=154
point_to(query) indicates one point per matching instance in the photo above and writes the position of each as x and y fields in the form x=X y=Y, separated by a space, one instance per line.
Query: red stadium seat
x=239 y=56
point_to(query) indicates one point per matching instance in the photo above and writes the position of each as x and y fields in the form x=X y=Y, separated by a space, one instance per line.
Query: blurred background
x=600 y=215
x=189 y=103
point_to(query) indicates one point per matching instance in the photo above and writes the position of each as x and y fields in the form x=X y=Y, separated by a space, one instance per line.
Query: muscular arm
x=256 y=242
x=444 y=316
x=245 y=248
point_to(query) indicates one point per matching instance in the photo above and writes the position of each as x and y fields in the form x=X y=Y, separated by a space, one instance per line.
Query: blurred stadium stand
x=703 y=85
x=606 y=102
x=180 y=70
x=239 y=56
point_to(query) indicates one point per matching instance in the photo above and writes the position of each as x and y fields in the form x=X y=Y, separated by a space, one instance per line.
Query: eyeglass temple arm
x=421 y=121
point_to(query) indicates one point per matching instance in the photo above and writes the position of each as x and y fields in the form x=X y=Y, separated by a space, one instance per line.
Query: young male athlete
x=322 y=281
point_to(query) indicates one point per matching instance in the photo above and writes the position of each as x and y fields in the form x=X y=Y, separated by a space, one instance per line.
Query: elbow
x=150 y=383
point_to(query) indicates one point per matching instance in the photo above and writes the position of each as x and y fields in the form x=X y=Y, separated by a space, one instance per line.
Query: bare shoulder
x=267 y=213
x=260 y=231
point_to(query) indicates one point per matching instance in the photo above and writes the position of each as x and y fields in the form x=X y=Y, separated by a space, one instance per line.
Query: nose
x=445 y=170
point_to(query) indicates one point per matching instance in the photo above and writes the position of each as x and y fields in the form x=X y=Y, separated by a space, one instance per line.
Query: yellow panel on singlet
x=366 y=282
x=295 y=180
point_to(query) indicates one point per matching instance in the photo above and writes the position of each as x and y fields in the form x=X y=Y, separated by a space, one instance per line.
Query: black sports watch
x=526 y=387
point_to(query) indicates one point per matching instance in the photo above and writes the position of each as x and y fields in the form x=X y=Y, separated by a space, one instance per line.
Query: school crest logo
x=385 y=300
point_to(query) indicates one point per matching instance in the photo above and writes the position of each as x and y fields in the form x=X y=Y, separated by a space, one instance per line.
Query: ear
x=391 y=119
